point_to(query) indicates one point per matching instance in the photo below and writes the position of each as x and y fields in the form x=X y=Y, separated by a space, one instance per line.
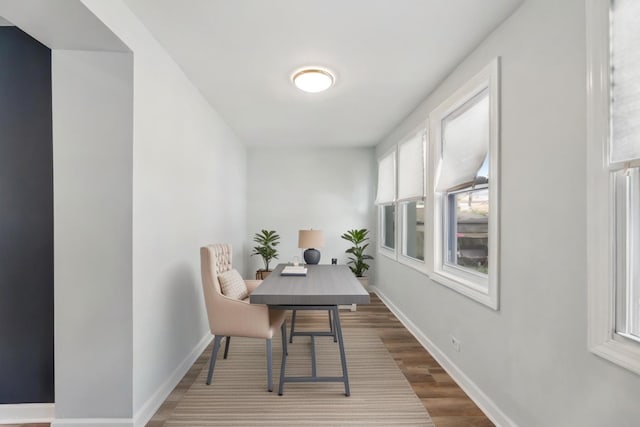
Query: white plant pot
x=364 y=281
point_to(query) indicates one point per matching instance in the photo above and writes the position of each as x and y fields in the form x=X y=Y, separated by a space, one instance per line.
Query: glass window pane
x=467 y=236
x=413 y=231
x=389 y=226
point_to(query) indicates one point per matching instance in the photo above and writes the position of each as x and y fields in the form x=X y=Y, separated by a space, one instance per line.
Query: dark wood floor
x=445 y=401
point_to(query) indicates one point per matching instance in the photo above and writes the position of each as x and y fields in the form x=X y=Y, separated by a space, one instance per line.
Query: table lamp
x=311 y=239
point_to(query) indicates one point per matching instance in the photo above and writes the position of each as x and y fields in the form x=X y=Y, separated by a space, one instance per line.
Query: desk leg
x=343 y=357
x=284 y=358
x=313 y=357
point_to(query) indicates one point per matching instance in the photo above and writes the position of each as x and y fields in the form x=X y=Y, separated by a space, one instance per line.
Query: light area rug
x=238 y=396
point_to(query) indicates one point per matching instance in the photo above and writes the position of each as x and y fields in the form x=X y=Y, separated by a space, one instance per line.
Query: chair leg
x=293 y=325
x=214 y=355
x=226 y=346
x=269 y=367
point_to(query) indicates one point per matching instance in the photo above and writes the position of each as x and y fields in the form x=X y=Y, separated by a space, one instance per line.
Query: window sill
x=626 y=354
x=476 y=291
x=389 y=253
x=414 y=263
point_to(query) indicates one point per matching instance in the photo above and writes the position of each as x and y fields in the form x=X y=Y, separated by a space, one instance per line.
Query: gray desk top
x=323 y=285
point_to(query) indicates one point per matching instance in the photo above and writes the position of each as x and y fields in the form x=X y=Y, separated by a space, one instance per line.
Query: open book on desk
x=291 y=270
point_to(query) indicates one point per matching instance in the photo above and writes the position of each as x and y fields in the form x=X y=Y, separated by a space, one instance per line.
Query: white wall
x=290 y=189
x=92 y=159
x=189 y=189
x=530 y=358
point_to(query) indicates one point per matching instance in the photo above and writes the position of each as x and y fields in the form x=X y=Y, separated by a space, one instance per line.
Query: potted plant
x=267 y=240
x=357 y=262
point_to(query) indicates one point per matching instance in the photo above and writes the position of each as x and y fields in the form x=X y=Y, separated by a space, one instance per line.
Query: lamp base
x=312 y=256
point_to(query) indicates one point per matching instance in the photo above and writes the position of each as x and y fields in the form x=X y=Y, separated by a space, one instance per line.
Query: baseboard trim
x=474 y=392
x=92 y=422
x=152 y=404
x=25 y=413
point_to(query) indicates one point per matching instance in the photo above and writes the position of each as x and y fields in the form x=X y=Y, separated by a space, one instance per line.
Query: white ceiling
x=56 y=24
x=387 y=55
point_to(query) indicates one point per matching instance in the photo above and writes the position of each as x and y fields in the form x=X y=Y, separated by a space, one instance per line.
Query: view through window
x=468 y=245
x=389 y=226
x=413 y=232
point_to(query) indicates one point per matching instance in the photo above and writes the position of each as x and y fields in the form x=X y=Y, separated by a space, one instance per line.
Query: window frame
x=603 y=340
x=482 y=289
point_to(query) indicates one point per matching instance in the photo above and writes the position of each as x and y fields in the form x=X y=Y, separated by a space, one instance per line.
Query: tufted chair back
x=228 y=316
x=221 y=260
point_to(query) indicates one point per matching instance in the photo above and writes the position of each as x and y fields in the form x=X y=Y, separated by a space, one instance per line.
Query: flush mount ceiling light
x=313 y=79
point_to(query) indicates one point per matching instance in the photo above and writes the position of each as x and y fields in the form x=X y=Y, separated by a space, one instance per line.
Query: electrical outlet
x=455 y=343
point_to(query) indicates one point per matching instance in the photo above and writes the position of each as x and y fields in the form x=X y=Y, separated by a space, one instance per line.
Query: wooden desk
x=323 y=288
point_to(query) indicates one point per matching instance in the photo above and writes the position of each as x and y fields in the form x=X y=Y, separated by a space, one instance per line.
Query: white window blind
x=387 y=179
x=411 y=167
x=625 y=78
x=465 y=139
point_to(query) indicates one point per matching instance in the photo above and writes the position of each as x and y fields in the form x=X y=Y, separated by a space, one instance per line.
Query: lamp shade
x=310 y=239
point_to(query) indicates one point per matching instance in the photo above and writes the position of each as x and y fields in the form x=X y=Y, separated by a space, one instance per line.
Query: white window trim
x=602 y=339
x=477 y=287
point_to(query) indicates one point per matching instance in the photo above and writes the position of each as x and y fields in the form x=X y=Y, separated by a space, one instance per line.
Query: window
x=467 y=243
x=388 y=222
x=613 y=167
x=465 y=129
x=386 y=199
x=413 y=229
x=627 y=253
x=411 y=185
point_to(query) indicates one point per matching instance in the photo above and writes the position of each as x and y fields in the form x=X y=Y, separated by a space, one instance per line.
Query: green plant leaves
x=357 y=237
x=267 y=240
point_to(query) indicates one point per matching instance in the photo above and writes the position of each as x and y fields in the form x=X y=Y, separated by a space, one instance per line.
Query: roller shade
x=386 y=179
x=411 y=167
x=625 y=75
x=465 y=143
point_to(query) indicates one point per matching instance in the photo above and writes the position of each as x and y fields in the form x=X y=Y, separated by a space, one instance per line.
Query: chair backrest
x=214 y=259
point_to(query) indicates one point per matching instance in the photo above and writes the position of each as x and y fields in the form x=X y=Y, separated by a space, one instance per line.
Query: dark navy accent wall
x=26 y=220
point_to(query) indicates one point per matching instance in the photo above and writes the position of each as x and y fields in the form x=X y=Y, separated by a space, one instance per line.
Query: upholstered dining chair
x=231 y=314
